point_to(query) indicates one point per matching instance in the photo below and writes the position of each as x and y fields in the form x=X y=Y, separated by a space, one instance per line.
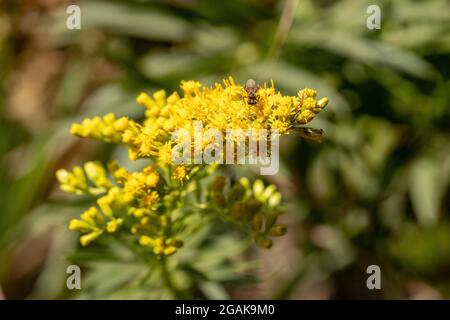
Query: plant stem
x=167 y=278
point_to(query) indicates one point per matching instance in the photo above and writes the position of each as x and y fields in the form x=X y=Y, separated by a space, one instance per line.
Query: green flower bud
x=218 y=183
x=218 y=198
x=175 y=243
x=237 y=210
x=253 y=206
x=271 y=219
x=264 y=242
x=278 y=230
x=257 y=221
x=236 y=193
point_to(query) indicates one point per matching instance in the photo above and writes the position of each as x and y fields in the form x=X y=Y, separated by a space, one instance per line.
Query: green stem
x=167 y=279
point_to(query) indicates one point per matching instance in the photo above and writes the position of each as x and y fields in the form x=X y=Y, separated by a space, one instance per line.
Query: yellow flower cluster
x=107 y=128
x=92 y=224
x=141 y=205
x=91 y=180
x=161 y=245
x=220 y=107
x=125 y=197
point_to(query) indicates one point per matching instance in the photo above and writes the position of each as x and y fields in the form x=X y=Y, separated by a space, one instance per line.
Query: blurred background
x=376 y=191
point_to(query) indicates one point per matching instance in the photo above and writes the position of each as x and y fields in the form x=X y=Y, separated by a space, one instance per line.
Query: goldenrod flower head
x=165 y=154
x=180 y=173
x=152 y=177
x=135 y=184
x=307 y=93
x=150 y=200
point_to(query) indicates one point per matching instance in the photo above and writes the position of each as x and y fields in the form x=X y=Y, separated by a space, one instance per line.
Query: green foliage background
x=376 y=191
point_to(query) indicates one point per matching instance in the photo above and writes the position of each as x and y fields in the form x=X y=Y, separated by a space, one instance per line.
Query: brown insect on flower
x=310 y=133
x=252 y=89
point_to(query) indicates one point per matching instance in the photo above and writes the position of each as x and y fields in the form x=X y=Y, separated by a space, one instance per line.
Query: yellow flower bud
x=132 y=154
x=62 y=176
x=174 y=97
x=158 y=249
x=146 y=241
x=68 y=188
x=152 y=179
x=108 y=132
x=104 y=204
x=138 y=213
x=322 y=102
x=144 y=220
x=79 y=177
x=169 y=250
x=121 y=124
x=268 y=192
x=274 y=200
x=94 y=170
x=109 y=118
x=79 y=225
x=144 y=99
x=77 y=130
x=245 y=182
x=258 y=188
x=114 y=225
x=89 y=237
x=160 y=97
